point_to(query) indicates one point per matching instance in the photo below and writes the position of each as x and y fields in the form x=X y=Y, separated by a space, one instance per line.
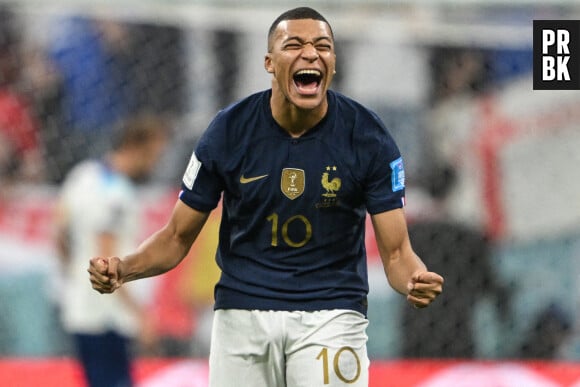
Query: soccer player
x=98 y=216
x=298 y=166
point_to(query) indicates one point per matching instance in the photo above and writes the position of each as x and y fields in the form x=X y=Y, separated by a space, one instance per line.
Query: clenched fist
x=423 y=288
x=104 y=274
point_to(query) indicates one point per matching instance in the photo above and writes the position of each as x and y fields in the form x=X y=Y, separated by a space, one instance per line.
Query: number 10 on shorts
x=345 y=364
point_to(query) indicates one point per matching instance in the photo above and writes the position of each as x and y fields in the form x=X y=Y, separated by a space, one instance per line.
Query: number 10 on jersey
x=274 y=219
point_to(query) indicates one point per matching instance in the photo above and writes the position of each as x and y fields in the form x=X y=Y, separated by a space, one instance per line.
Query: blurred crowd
x=61 y=103
x=66 y=103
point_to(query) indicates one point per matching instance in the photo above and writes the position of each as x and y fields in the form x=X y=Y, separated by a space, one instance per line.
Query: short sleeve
x=385 y=180
x=202 y=184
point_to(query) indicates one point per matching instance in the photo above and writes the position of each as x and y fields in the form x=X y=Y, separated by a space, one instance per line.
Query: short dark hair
x=139 y=130
x=297 y=14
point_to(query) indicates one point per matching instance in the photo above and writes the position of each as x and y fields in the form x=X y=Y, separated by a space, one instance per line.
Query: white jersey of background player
x=96 y=200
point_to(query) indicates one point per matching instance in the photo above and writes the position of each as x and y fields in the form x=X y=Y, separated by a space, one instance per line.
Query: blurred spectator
x=98 y=215
x=42 y=82
x=462 y=255
x=20 y=154
x=457 y=71
x=108 y=70
x=552 y=326
x=158 y=67
x=92 y=58
x=460 y=75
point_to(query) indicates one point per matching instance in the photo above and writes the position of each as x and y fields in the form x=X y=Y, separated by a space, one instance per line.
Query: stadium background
x=514 y=151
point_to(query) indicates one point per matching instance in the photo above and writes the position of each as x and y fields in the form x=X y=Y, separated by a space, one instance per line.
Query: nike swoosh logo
x=246 y=180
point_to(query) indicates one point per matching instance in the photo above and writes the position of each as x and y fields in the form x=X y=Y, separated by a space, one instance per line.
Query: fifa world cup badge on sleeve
x=397 y=174
x=191 y=171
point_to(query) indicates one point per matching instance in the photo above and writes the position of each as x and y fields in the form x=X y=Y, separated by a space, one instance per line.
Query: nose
x=309 y=52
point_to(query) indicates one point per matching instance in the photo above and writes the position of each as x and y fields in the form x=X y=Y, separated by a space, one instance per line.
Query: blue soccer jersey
x=292 y=232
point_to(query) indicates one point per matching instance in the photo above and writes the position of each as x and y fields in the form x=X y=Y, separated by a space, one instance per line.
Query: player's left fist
x=423 y=288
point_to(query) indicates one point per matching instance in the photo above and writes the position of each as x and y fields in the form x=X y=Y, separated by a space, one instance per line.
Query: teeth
x=309 y=72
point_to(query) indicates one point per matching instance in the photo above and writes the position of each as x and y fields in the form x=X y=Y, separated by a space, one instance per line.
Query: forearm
x=399 y=259
x=400 y=267
x=161 y=252
x=405 y=271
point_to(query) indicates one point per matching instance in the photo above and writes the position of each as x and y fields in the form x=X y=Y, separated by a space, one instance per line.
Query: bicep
x=185 y=223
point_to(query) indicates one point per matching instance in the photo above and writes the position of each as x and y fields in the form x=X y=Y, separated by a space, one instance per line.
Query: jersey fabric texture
x=96 y=200
x=292 y=231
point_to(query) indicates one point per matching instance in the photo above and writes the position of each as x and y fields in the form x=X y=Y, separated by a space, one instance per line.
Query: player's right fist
x=103 y=274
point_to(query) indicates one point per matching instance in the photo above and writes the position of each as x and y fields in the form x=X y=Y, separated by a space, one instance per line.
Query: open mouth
x=307 y=81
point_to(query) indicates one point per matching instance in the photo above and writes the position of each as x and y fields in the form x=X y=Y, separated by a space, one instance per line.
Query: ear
x=268 y=63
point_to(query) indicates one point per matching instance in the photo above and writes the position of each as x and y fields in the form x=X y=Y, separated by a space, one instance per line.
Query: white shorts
x=288 y=349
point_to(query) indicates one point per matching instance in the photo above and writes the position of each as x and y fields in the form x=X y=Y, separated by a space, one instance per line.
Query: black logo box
x=573 y=64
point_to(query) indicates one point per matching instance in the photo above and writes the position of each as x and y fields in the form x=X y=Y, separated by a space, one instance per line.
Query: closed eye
x=292 y=46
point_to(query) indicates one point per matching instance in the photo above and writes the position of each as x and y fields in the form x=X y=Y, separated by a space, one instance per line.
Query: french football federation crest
x=330 y=185
x=292 y=182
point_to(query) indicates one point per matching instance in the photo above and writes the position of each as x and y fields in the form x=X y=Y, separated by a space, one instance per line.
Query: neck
x=118 y=162
x=294 y=120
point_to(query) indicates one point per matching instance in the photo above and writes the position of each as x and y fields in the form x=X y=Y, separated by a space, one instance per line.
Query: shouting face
x=302 y=60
